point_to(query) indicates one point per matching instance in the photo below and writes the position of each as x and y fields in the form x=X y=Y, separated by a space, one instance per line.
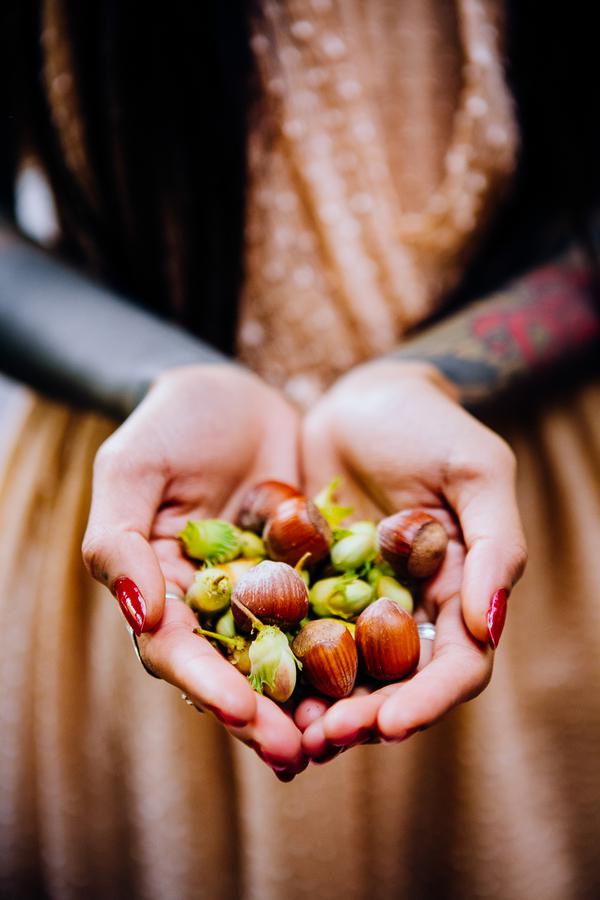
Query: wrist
x=391 y=369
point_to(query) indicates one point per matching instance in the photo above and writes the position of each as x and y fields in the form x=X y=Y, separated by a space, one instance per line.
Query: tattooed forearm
x=547 y=316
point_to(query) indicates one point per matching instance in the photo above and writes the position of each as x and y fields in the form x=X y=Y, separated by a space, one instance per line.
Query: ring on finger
x=427 y=631
x=136 y=648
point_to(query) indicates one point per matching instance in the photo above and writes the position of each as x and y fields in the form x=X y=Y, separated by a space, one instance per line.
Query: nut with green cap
x=344 y=595
x=211 y=540
x=272 y=664
x=387 y=586
x=354 y=550
x=252 y=546
x=210 y=592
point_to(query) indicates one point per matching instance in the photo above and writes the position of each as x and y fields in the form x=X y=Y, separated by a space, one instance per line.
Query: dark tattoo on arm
x=548 y=316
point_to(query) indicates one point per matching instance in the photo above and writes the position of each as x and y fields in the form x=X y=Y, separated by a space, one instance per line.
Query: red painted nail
x=131 y=602
x=496 y=616
x=275 y=762
x=284 y=775
x=327 y=756
x=225 y=718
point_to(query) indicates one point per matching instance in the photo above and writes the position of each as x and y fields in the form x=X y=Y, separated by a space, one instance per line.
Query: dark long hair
x=163 y=108
x=162 y=102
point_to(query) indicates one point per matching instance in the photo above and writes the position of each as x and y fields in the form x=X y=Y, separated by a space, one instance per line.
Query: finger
x=309 y=710
x=347 y=722
x=460 y=669
x=496 y=550
x=314 y=742
x=278 y=458
x=173 y=652
x=275 y=738
x=115 y=547
x=176 y=568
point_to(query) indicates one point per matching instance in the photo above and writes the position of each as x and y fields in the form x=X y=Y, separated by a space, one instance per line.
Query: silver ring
x=190 y=702
x=137 y=652
x=427 y=631
x=170 y=595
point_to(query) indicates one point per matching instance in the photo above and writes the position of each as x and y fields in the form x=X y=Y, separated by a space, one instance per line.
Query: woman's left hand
x=397 y=434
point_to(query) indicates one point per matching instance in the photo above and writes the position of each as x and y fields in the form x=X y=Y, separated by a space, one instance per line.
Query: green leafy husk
x=211 y=540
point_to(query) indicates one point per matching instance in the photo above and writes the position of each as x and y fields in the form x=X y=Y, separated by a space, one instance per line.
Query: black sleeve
x=72 y=338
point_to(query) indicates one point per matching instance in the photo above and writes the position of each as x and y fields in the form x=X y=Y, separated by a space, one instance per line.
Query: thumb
x=115 y=548
x=496 y=555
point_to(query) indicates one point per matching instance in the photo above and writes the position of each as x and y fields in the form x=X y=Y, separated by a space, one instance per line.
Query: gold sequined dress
x=382 y=145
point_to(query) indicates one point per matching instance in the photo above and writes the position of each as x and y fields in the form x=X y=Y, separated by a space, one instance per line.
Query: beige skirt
x=110 y=786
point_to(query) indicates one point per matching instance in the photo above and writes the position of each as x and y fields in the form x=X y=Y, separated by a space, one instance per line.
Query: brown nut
x=413 y=543
x=297 y=528
x=261 y=501
x=387 y=639
x=328 y=655
x=271 y=591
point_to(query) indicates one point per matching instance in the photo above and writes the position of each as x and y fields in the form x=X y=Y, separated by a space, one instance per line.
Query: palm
x=200 y=438
x=405 y=444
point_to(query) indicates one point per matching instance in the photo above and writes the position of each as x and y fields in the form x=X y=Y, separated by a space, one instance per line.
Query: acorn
x=328 y=655
x=413 y=543
x=272 y=592
x=260 y=503
x=297 y=528
x=387 y=639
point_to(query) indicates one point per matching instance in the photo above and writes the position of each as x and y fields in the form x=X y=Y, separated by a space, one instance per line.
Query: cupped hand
x=397 y=434
x=201 y=437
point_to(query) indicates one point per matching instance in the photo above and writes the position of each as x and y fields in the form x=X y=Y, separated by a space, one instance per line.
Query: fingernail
x=225 y=718
x=327 y=756
x=496 y=616
x=285 y=775
x=356 y=737
x=401 y=736
x=131 y=603
x=275 y=762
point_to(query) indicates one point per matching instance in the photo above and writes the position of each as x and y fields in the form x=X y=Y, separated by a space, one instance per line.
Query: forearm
x=72 y=338
x=546 y=317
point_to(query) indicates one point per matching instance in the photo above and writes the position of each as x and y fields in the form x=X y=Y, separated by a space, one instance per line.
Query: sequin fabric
x=382 y=140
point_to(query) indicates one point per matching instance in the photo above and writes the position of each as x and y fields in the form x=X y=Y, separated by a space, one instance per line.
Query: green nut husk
x=393 y=590
x=210 y=592
x=365 y=526
x=272 y=664
x=226 y=625
x=343 y=596
x=237 y=648
x=382 y=568
x=354 y=551
x=237 y=568
x=382 y=579
x=211 y=540
x=325 y=502
x=252 y=546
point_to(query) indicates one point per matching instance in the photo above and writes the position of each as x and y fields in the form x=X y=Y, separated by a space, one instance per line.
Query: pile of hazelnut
x=290 y=589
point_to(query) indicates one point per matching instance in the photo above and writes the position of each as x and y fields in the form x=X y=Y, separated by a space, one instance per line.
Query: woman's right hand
x=200 y=438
